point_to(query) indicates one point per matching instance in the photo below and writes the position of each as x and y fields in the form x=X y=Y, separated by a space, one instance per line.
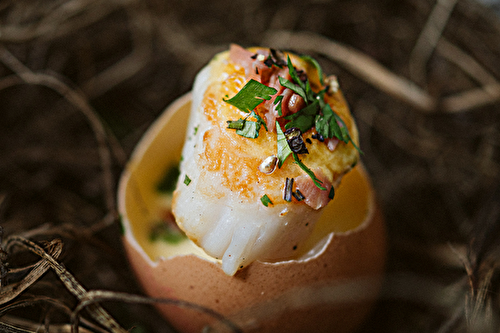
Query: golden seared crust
x=236 y=158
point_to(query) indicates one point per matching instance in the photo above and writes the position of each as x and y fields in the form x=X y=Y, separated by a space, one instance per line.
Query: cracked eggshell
x=329 y=288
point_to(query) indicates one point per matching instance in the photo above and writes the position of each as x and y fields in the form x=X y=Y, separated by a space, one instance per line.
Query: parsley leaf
x=311 y=174
x=330 y=125
x=251 y=95
x=327 y=125
x=283 y=148
x=292 y=86
x=304 y=119
x=345 y=132
x=316 y=65
x=293 y=73
x=277 y=102
x=247 y=128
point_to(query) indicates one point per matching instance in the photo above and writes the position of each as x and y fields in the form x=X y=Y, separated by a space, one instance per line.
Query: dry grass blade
x=96 y=311
x=81 y=80
x=15 y=325
x=80 y=102
x=356 y=62
x=68 y=16
x=11 y=291
x=429 y=37
x=28 y=324
x=102 y=295
x=7 y=328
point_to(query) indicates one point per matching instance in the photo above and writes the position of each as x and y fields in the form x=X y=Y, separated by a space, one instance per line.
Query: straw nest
x=81 y=80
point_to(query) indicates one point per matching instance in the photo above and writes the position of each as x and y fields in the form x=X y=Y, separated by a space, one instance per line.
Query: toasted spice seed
x=294 y=138
x=269 y=164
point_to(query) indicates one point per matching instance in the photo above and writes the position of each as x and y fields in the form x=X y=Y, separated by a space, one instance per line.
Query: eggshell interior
x=330 y=286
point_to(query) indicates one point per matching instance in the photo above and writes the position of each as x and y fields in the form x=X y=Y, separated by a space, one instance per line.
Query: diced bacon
x=240 y=55
x=314 y=196
x=255 y=68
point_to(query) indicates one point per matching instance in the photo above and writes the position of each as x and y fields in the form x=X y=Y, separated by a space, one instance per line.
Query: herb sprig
x=316 y=114
x=251 y=95
x=247 y=128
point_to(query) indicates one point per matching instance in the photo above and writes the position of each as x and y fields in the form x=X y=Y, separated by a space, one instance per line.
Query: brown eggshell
x=330 y=291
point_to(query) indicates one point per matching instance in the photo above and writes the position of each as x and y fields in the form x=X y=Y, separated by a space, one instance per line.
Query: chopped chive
x=265 y=200
x=166 y=232
x=168 y=182
x=283 y=148
x=187 y=180
x=332 y=193
x=311 y=174
x=298 y=195
x=287 y=195
x=236 y=124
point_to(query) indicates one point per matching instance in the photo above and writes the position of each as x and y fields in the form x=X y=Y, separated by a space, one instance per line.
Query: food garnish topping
x=295 y=104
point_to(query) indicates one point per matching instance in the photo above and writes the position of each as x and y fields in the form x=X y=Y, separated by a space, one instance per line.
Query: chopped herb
x=293 y=72
x=247 y=128
x=299 y=196
x=287 y=195
x=236 y=124
x=332 y=193
x=165 y=231
x=169 y=180
x=317 y=113
x=304 y=119
x=292 y=86
x=316 y=65
x=187 y=180
x=283 y=148
x=345 y=133
x=250 y=130
x=195 y=130
x=294 y=139
x=327 y=125
x=277 y=102
x=120 y=224
x=311 y=174
x=251 y=95
x=265 y=200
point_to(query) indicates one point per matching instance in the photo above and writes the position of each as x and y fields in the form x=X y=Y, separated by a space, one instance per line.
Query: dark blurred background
x=81 y=81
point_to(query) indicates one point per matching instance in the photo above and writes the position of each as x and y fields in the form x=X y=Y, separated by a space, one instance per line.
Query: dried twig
x=471 y=99
x=130 y=64
x=80 y=102
x=62 y=19
x=11 y=291
x=356 y=62
x=429 y=37
x=94 y=296
x=96 y=311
